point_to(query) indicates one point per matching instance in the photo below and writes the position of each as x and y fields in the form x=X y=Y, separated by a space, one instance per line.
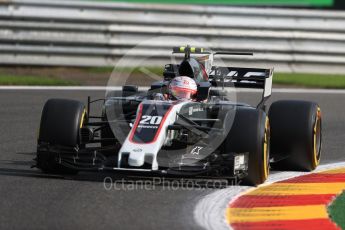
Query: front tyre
x=60 y=125
x=250 y=133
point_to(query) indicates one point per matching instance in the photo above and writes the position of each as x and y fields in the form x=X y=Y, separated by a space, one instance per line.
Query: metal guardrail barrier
x=82 y=33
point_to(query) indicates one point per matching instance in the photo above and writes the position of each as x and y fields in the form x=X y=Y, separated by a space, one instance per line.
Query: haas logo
x=186 y=83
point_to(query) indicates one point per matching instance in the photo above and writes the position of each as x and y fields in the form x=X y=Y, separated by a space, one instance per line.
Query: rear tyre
x=60 y=125
x=250 y=133
x=296 y=133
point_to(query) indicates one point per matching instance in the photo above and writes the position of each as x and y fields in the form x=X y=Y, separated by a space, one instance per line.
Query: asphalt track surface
x=32 y=200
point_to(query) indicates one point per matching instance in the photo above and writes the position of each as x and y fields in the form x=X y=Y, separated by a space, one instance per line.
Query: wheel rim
x=82 y=120
x=317 y=139
x=266 y=149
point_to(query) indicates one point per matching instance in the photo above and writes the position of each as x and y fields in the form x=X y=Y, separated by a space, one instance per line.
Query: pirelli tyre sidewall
x=60 y=125
x=296 y=134
x=250 y=133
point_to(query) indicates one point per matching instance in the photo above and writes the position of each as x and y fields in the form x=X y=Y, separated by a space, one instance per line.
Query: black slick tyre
x=296 y=134
x=60 y=125
x=250 y=133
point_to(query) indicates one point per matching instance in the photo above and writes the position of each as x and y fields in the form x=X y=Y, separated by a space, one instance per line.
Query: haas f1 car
x=204 y=134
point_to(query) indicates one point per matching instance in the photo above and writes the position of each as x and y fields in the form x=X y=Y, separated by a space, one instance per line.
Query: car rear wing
x=187 y=50
x=243 y=78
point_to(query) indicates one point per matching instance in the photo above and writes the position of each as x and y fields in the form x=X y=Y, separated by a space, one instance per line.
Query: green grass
x=135 y=70
x=310 y=80
x=337 y=211
x=238 y=2
x=99 y=69
x=6 y=79
x=287 y=79
x=291 y=79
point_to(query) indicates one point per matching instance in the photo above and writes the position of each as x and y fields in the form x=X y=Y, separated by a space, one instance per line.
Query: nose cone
x=136 y=159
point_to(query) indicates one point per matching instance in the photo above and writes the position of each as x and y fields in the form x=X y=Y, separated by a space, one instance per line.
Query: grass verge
x=306 y=80
x=134 y=70
x=337 y=211
x=99 y=76
x=310 y=80
x=34 y=80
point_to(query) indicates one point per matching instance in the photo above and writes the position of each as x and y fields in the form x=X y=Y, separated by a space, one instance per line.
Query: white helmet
x=183 y=88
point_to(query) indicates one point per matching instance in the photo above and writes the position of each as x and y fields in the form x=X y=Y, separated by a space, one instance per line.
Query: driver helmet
x=183 y=88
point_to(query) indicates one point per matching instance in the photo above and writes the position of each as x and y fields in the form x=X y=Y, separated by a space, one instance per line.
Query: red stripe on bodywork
x=135 y=126
x=314 y=224
x=137 y=123
x=248 y=201
x=317 y=178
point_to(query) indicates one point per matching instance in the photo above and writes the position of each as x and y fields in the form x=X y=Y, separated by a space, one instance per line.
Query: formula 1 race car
x=204 y=135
